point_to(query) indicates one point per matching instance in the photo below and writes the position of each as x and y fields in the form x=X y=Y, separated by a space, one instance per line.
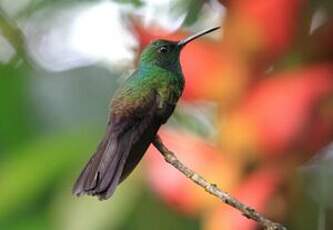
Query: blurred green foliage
x=14 y=123
x=50 y=123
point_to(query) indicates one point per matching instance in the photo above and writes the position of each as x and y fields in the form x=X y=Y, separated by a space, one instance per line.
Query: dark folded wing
x=129 y=120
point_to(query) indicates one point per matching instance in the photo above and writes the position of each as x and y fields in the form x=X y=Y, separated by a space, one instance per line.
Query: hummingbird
x=138 y=109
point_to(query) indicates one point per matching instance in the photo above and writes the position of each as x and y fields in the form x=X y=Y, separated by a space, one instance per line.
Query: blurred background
x=256 y=117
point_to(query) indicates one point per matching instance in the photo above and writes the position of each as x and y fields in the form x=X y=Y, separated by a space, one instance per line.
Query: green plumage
x=166 y=84
x=138 y=109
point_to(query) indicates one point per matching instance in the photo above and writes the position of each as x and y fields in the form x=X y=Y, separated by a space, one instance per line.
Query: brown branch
x=12 y=32
x=247 y=211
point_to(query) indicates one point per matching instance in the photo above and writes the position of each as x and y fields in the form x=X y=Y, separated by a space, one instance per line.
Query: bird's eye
x=163 y=50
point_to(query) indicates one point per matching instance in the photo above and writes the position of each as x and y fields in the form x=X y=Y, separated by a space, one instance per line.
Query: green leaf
x=32 y=172
x=14 y=110
x=86 y=213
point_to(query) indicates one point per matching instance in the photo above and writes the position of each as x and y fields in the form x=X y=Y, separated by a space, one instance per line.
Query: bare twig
x=12 y=33
x=247 y=211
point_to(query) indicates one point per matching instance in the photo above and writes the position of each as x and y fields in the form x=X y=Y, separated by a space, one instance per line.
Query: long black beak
x=185 y=41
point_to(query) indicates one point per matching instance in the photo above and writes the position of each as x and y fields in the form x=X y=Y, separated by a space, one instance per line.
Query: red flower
x=175 y=188
x=275 y=113
x=256 y=191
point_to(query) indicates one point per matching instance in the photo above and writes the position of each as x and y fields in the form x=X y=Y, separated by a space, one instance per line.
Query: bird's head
x=166 y=53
